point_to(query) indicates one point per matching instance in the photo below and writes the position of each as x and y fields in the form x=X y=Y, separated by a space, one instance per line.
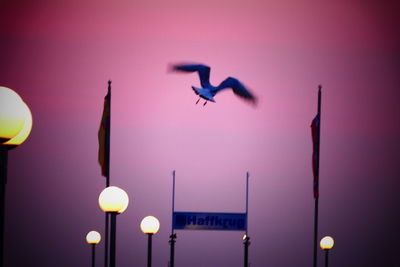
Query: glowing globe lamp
x=25 y=131
x=150 y=225
x=15 y=118
x=327 y=243
x=113 y=199
x=15 y=126
x=93 y=237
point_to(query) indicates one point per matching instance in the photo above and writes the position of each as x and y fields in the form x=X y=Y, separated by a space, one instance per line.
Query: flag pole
x=246 y=238
x=316 y=175
x=107 y=164
x=108 y=135
x=173 y=235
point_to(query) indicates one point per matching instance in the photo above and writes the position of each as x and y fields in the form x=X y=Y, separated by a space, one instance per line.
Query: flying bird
x=208 y=91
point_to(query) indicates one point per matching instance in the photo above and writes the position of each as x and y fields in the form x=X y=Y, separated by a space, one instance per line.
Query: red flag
x=104 y=136
x=315 y=132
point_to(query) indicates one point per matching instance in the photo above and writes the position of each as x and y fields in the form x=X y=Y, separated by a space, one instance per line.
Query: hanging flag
x=315 y=132
x=104 y=135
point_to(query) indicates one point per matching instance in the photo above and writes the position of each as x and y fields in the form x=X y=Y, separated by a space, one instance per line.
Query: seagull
x=208 y=91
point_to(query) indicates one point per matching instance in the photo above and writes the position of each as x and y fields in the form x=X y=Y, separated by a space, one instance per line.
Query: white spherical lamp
x=15 y=118
x=327 y=243
x=113 y=199
x=150 y=225
x=93 y=237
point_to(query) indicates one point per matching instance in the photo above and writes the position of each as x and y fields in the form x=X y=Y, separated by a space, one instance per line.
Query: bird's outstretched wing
x=238 y=88
x=203 y=70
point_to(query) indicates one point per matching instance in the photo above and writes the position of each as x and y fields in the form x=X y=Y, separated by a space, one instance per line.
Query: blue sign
x=209 y=221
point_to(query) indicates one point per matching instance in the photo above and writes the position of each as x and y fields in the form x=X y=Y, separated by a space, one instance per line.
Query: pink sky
x=59 y=55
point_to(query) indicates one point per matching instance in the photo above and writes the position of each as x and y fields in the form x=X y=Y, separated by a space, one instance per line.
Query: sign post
x=246 y=238
x=173 y=235
x=217 y=221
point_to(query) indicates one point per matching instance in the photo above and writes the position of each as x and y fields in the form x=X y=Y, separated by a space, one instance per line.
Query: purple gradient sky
x=58 y=55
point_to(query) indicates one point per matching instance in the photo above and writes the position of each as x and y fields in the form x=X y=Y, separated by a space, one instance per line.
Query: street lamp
x=93 y=238
x=149 y=226
x=246 y=243
x=326 y=244
x=15 y=126
x=114 y=201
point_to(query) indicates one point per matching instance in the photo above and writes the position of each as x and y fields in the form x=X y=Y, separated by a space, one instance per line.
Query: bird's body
x=207 y=90
x=205 y=93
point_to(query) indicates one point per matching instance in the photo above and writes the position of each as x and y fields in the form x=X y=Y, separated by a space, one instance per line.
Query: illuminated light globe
x=326 y=243
x=15 y=118
x=25 y=131
x=150 y=225
x=113 y=199
x=93 y=237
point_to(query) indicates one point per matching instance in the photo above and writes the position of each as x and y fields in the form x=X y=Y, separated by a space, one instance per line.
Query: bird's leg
x=198 y=101
x=204 y=103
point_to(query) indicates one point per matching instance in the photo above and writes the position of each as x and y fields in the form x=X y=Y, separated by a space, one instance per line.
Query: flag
x=104 y=135
x=315 y=133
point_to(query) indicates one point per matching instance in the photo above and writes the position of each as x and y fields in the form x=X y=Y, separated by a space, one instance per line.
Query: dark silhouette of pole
x=315 y=231
x=326 y=257
x=107 y=126
x=149 y=249
x=172 y=250
x=246 y=237
x=93 y=255
x=108 y=136
x=107 y=233
x=3 y=182
x=113 y=233
x=247 y=200
x=173 y=235
x=316 y=186
x=246 y=251
x=107 y=159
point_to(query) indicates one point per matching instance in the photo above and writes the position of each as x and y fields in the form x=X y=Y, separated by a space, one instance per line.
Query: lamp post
x=93 y=238
x=114 y=201
x=246 y=243
x=149 y=226
x=172 y=250
x=326 y=244
x=15 y=126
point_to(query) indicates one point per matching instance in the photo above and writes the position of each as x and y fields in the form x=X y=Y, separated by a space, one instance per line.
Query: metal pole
x=315 y=231
x=173 y=235
x=149 y=250
x=247 y=238
x=108 y=136
x=93 y=255
x=107 y=159
x=326 y=257
x=113 y=231
x=246 y=251
x=3 y=182
x=107 y=233
x=247 y=201
x=173 y=201
x=317 y=173
x=172 y=250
